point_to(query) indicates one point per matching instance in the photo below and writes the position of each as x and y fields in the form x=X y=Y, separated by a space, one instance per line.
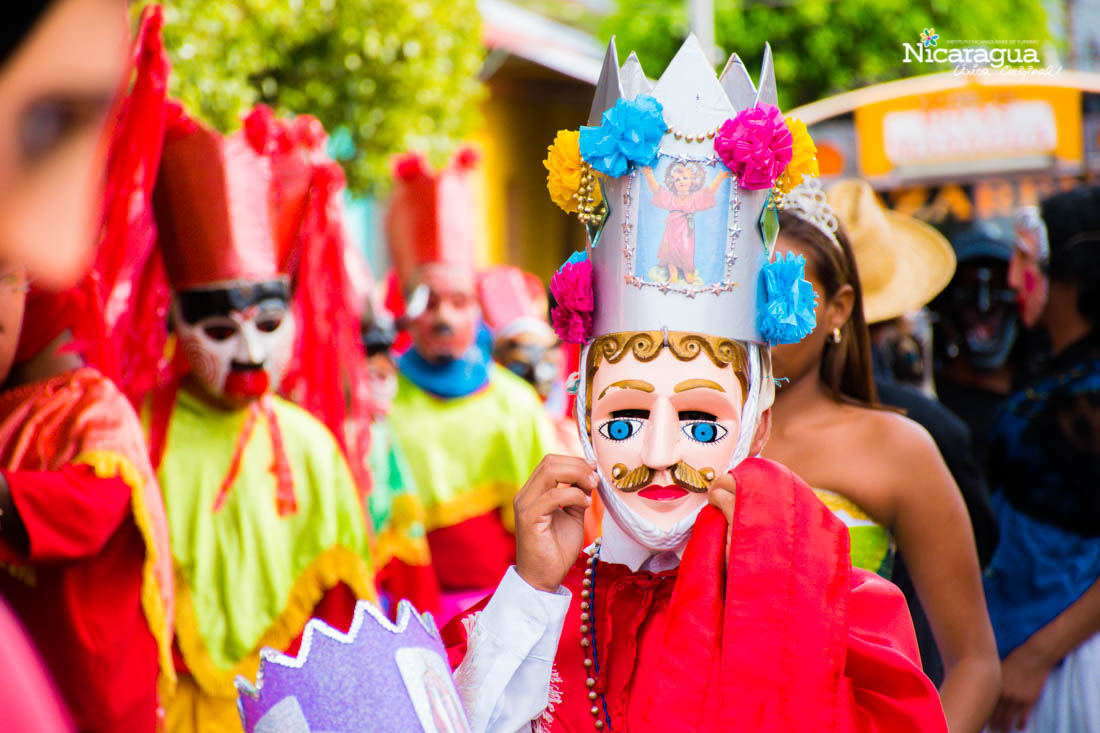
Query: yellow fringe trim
x=837 y=503
x=108 y=464
x=404 y=536
x=408 y=550
x=333 y=566
x=473 y=503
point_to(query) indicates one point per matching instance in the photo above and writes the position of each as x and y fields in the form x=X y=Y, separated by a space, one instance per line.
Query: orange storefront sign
x=996 y=127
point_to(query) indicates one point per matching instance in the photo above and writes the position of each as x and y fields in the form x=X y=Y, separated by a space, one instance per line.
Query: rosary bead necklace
x=588 y=641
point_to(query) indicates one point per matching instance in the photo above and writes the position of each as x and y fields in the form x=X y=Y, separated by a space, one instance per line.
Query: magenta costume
x=678 y=243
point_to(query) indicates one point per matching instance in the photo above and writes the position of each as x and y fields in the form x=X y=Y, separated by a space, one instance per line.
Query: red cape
x=786 y=637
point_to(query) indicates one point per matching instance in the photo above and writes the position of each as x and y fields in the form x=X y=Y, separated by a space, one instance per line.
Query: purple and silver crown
x=684 y=241
x=379 y=676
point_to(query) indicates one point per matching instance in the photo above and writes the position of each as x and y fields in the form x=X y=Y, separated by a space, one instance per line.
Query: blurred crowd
x=215 y=424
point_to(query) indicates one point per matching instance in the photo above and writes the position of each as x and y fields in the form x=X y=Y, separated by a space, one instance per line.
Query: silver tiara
x=807 y=201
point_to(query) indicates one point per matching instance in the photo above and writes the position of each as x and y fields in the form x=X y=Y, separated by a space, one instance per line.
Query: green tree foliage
x=393 y=75
x=822 y=47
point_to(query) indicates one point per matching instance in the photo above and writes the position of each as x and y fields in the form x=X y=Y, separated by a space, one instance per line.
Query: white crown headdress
x=678 y=185
x=636 y=290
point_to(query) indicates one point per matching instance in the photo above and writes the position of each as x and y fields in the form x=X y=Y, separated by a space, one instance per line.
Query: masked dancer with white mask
x=263 y=497
x=721 y=596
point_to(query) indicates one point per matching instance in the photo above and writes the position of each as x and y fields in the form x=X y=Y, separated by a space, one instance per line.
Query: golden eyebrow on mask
x=628 y=384
x=687 y=384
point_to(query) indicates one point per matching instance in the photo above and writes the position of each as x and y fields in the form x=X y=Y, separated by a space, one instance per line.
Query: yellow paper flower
x=565 y=166
x=804 y=157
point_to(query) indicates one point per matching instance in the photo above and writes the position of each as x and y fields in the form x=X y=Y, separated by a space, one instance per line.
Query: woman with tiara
x=882 y=473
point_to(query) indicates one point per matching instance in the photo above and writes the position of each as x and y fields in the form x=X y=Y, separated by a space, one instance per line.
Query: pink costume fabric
x=678 y=243
x=27 y=697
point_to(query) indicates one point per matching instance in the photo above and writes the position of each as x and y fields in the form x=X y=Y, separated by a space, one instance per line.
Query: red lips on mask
x=662 y=493
x=248 y=384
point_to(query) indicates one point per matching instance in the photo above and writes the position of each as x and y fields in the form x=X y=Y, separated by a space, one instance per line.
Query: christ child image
x=683 y=194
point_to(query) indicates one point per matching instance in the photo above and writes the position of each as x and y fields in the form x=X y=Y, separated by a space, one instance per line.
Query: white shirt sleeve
x=504 y=680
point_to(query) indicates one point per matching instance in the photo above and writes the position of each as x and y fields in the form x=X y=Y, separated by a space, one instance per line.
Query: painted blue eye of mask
x=704 y=431
x=620 y=428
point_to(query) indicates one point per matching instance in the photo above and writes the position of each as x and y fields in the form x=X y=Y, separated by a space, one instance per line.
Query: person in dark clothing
x=952 y=437
x=1043 y=584
x=977 y=327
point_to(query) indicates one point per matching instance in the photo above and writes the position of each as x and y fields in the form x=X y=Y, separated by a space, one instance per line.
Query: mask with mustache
x=683 y=475
x=662 y=413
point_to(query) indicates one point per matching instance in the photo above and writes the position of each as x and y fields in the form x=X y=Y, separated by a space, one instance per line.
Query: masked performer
x=741 y=616
x=266 y=520
x=514 y=306
x=1043 y=583
x=83 y=537
x=471 y=429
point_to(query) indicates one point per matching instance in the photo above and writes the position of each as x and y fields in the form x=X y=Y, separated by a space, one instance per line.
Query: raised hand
x=550 y=519
x=722 y=495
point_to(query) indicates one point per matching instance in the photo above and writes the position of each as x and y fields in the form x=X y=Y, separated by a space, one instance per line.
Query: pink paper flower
x=572 y=327
x=755 y=145
x=571 y=287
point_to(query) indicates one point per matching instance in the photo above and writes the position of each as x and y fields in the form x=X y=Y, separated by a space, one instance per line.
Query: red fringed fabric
x=285 y=501
x=122 y=327
x=394 y=302
x=329 y=378
x=328 y=375
x=238 y=455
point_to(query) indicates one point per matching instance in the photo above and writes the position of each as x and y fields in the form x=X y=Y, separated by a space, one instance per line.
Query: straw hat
x=903 y=263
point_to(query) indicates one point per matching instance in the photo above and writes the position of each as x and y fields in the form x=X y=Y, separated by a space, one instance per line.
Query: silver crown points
x=807 y=201
x=688 y=99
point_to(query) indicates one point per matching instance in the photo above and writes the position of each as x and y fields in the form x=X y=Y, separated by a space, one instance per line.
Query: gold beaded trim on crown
x=587 y=210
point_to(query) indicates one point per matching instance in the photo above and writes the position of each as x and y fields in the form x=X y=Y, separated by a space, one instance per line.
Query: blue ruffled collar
x=457 y=378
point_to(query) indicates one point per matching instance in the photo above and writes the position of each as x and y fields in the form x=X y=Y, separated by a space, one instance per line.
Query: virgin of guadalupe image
x=683 y=195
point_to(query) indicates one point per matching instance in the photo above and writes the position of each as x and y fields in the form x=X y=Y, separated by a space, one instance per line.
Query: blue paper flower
x=787 y=301
x=630 y=132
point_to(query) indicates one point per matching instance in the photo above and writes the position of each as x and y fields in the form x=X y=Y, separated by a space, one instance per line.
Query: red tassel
x=238 y=454
x=328 y=376
x=285 y=500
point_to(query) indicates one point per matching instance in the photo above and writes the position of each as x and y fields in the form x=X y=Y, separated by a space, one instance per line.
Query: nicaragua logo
x=993 y=54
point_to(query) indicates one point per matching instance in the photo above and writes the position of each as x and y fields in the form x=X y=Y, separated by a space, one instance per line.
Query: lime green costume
x=469 y=457
x=872 y=546
x=232 y=601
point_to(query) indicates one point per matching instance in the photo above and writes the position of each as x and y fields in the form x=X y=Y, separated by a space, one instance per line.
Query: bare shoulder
x=894 y=433
x=893 y=450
